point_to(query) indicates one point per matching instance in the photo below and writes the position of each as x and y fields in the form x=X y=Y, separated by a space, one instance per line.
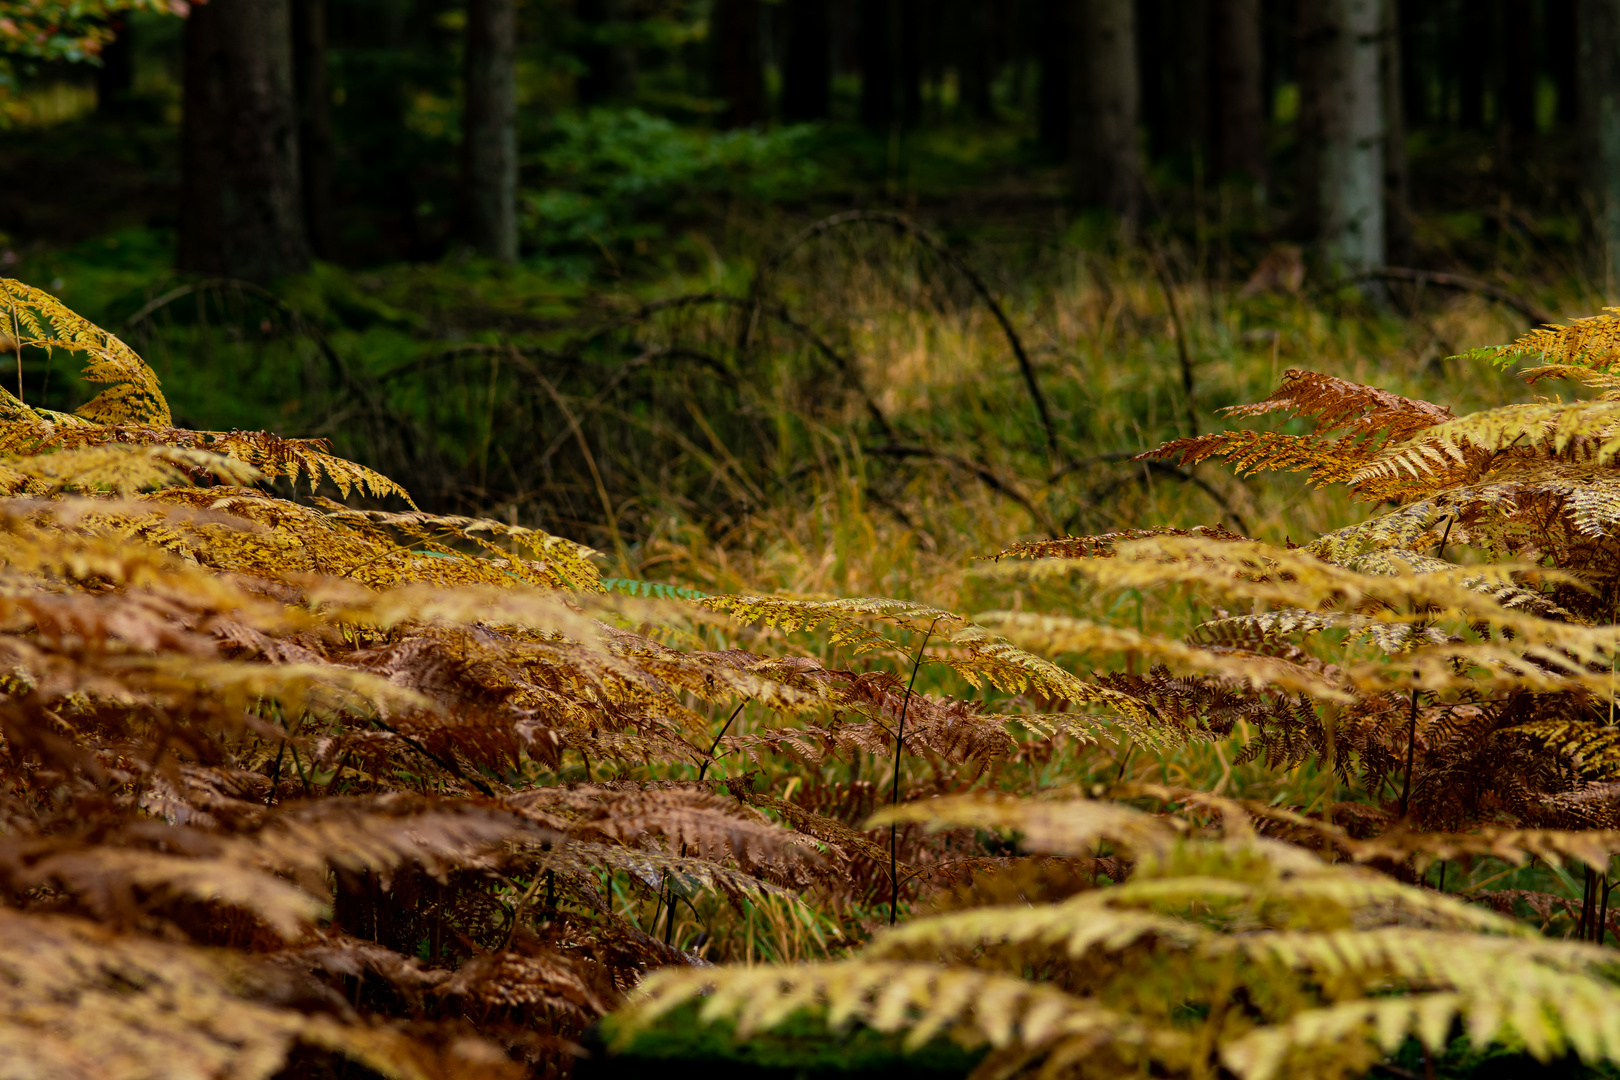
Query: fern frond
x=1364 y=413
x=846 y=620
x=1592 y=342
x=1059 y=828
x=1250 y=452
x=1102 y=545
x=924 y=1000
x=38 y=320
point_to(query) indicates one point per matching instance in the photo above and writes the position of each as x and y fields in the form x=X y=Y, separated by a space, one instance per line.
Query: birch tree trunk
x=241 y=213
x=489 y=129
x=1105 y=159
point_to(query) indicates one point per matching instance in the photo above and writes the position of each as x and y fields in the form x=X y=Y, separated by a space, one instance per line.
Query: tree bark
x=1240 y=128
x=737 y=62
x=316 y=146
x=489 y=160
x=1562 y=60
x=974 y=41
x=1342 y=133
x=1056 y=89
x=1104 y=157
x=610 y=58
x=1599 y=22
x=877 y=63
x=807 y=68
x=115 y=78
x=1391 y=70
x=241 y=212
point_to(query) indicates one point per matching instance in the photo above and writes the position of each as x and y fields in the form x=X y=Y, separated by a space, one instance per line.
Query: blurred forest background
x=559 y=260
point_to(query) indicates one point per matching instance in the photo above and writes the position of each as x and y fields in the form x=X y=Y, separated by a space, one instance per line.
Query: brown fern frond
x=1102 y=545
x=1249 y=452
x=1364 y=413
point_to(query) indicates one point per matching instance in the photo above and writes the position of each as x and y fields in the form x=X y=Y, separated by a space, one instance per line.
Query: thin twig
x=894 y=787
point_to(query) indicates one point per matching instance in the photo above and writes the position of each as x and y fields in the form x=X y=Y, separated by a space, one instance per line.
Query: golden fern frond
x=656 y=870
x=80 y=1000
x=1468 y=444
x=1059 y=634
x=924 y=1000
x=1364 y=413
x=1607 y=384
x=980 y=656
x=562 y=564
x=309 y=460
x=36 y=319
x=1590 y=342
x=1102 y=545
x=1069 y=827
x=848 y=621
x=117 y=468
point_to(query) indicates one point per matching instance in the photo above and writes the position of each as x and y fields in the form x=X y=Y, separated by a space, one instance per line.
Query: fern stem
x=894 y=786
x=716 y=744
x=1411 y=754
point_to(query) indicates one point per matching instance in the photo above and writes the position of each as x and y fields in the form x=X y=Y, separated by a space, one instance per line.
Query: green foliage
x=617 y=175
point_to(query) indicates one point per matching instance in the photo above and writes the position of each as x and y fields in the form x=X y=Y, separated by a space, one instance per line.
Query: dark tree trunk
x=1057 y=77
x=1474 y=43
x=1341 y=134
x=241 y=213
x=1599 y=22
x=1516 y=112
x=1414 y=64
x=912 y=31
x=1561 y=58
x=609 y=57
x=1104 y=156
x=316 y=147
x=877 y=63
x=975 y=50
x=738 y=62
x=115 y=78
x=807 y=69
x=1391 y=61
x=489 y=161
x=1240 y=127
x=1188 y=47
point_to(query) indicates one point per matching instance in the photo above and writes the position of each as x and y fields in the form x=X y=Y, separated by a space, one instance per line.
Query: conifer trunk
x=807 y=67
x=489 y=129
x=877 y=19
x=1104 y=157
x=1391 y=68
x=1240 y=126
x=610 y=59
x=316 y=146
x=1342 y=133
x=1599 y=24
x=1056 y=88
x=241 y=211
x=738 y=62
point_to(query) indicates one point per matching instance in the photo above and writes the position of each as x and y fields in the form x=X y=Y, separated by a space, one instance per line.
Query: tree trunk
x=1188 y=51
x=610 y=58
x=1562 y=61
x=737 y=62
x=115 y=78
x=1056 y=88
x=974 y=38
x=1240 y=128
x=316 y=147
x=489 y=161
x=807 y=68
x=877 y=63
x=912 y=13
x=1104 y=156
x=1474 y=40
x=241 y=213
x=1397 y=214
x=1342 y=133
x=1599 y=22
x=1516 y=114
